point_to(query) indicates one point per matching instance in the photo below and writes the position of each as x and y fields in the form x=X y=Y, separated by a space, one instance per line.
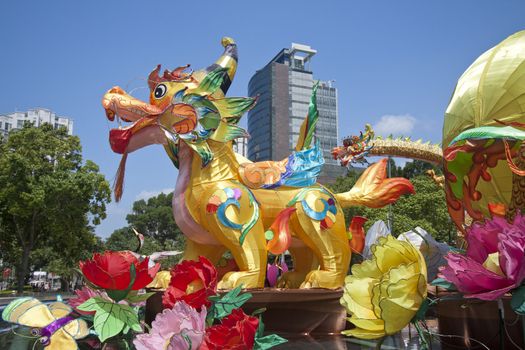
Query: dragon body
x=223 y=201
x=356 y=148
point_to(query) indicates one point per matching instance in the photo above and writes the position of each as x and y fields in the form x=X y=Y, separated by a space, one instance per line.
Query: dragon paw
x=248 y=279
x=291 y=279
x=323 y=279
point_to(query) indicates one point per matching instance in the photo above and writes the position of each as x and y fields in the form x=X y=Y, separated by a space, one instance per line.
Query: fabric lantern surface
x=493 y=87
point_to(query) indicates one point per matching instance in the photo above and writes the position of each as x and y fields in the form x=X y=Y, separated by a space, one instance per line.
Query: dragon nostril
x=110 y=114
x=116 y=90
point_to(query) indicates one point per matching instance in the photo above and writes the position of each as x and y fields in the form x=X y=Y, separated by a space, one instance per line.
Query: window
x=7 y=126
x=19 y=124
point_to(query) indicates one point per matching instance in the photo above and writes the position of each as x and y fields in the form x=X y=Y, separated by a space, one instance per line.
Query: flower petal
x=356 y=297
x=469 y=276
x=511 y=249
x=364 y=333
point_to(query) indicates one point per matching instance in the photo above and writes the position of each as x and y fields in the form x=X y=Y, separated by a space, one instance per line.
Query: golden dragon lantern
x=223 y=201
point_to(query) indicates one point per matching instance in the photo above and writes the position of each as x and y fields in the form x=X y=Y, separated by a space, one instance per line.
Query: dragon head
x=184 y=106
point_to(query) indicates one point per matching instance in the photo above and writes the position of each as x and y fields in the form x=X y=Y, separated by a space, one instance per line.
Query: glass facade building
x=284 y=87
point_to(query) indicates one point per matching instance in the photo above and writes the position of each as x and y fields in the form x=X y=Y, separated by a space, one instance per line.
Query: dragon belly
x=183 y=217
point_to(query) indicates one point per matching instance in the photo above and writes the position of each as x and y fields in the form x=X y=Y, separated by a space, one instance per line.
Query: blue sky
x=395 y=62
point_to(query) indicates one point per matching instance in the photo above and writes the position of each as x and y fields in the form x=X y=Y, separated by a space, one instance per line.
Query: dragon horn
x=154 y=78
x=227 y=60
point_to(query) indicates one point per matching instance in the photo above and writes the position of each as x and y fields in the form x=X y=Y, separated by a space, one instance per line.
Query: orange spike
x=282 y=237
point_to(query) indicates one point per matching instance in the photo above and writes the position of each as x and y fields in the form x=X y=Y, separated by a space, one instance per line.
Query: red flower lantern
x=192 y=282
x=112 y=270
x=236 y=332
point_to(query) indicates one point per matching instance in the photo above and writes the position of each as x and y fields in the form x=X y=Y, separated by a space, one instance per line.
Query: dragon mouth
x=119 y=139
x=117 y=103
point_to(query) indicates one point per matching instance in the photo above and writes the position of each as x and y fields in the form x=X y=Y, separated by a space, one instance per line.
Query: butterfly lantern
x=50 y=323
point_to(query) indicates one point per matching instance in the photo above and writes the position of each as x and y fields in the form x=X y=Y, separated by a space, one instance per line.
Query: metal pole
x=390 y=214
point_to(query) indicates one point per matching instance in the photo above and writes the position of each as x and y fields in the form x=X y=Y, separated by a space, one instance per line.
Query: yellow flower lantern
x=384 y=294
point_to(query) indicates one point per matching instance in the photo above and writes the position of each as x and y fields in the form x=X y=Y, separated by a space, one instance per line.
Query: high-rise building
x=284 y=87
x=37 y=116
x=241 y=146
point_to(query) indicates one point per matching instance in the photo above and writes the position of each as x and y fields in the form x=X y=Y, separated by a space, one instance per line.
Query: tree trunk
x=64 y=284
x=22 y=269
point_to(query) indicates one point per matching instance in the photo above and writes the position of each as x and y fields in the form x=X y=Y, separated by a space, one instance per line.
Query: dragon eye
x=160 y=91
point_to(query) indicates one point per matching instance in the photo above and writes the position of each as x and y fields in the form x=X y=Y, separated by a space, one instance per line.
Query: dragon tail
x=374 y=190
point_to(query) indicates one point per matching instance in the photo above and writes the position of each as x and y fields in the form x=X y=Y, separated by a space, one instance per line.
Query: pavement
x=40 y=296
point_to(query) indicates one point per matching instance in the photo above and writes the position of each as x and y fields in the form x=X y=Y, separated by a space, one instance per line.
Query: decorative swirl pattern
x=222 y=199
x=323 y=215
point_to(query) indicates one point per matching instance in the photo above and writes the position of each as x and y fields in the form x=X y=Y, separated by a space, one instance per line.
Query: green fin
x=227 y=132
x=203 y=150
x=210 y=121
x=211 y=82
x=234 y=107
x=307 y=130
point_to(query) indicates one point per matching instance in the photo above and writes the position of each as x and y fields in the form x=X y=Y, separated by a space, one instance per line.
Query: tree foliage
x=154 y=219
x=124 y=239
x=49 y=198
x=426 y=208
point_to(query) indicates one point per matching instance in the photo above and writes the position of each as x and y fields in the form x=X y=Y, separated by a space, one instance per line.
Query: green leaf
x=268 y=342
x=260 y=328
x=259 y=311
x=90 y=305
x=518 y=300
x=117 y=294
x=440 y=282
x=223 y=306
x=111 y=318
x=137 y=298
x=420 y=314
x=108 y=323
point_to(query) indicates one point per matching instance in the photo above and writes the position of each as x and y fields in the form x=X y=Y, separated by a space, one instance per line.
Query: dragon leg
x=329 y=244
x=211 y=252
x=232 y=217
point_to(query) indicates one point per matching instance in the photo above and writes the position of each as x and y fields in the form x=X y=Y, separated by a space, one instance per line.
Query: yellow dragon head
x=184 y=106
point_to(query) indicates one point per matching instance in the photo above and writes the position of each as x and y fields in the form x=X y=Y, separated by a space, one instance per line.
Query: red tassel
x=118 y=185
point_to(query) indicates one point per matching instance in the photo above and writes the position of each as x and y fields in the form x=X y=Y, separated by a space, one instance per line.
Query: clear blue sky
x=395 y=62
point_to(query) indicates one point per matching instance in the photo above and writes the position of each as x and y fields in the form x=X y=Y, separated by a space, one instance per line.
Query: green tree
x=154 y=218
x=418 y=167
x=49 y=196
x=61 y=257
x=124 y=239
